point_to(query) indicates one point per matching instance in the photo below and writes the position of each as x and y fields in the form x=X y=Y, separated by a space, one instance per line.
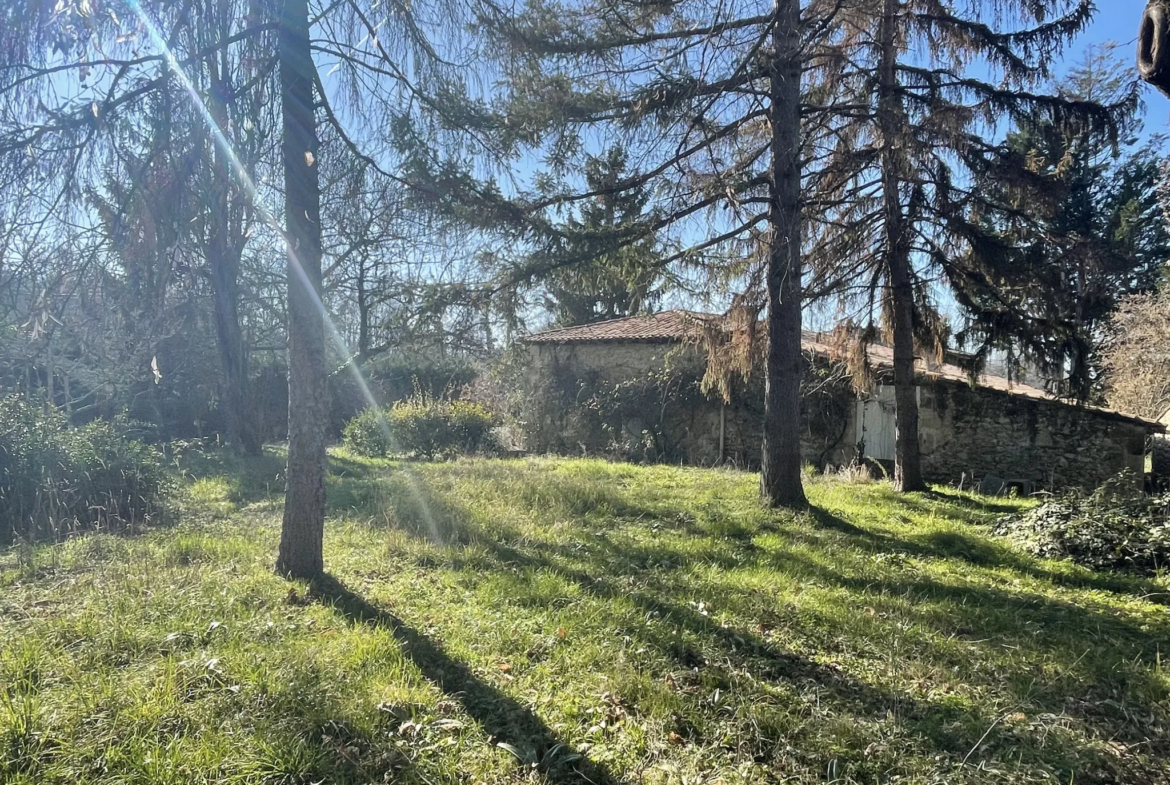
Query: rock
x=991 y=485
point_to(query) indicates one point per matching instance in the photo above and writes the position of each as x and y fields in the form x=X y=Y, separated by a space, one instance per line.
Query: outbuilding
x=631 y=388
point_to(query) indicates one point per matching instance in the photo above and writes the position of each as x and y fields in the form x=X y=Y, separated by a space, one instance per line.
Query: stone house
x=630 y=388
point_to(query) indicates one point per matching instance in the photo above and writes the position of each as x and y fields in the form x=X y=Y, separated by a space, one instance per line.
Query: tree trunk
x=223 y=261
x=907 y=455
x=304 y=501
x=233 y=357
x=907 y=452
x=780 y=483
x=363 y=305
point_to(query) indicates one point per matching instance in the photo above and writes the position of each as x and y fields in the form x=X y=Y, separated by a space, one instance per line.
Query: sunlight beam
x=245 y=181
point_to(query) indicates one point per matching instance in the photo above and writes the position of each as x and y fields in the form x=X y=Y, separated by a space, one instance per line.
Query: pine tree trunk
x=907 y=452
x=907 y=455
x=780 y=483
x=304 y=501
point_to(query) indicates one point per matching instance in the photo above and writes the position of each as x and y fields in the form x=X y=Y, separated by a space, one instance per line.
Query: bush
x=367 y=434
x=422 y=426
x=55 y=479
x=396 y=378
x=1117 y=527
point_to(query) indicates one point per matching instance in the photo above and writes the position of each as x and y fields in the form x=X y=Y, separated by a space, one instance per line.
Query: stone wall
x=641 y=401
x=977 y=432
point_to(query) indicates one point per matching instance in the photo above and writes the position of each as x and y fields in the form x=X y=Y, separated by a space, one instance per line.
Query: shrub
x=393 y=378
x=434 y=428
x=1117 y=527
x=55 y=479
x=422 y=426
x=366 y=434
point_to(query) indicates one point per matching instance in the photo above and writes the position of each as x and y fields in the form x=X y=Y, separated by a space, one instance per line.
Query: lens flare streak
x=223 y=144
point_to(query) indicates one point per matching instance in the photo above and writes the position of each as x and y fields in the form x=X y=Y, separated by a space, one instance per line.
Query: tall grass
x=571 y=622
x=56 y=480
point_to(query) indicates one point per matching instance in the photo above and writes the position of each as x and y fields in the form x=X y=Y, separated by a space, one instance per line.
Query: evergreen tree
x=705 y=97
x=900 y=167
x=1098 y=235
x=612 y=281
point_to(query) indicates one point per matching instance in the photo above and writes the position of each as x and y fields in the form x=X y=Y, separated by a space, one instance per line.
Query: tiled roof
x=665 y=326
x=674 y=326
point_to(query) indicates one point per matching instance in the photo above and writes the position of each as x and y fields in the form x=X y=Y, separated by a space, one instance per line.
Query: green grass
x=572 y=621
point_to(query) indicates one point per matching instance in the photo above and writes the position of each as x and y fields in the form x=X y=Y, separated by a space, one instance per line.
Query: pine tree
x=1073 y=253
x=706 y=99
x=899 y=169
x=611 y=282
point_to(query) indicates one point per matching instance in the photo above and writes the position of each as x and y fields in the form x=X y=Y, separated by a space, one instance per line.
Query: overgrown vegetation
x=1136 y=355
x=422 y=426
x=56 y=480
x=368 y=435
x=544 y=621
x=1117 y=527
x=663 y=415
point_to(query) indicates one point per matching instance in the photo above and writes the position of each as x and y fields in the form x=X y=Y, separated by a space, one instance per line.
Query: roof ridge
x=590 y=327
x=556 y=330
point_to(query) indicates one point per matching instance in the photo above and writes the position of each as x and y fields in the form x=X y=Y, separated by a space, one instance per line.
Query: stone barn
x=630 y=388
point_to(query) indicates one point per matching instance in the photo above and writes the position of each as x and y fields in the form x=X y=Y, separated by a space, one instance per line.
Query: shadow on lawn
x=254 y=478
x=738 y=648
x=980 y=508
x=607 y=565
x=996 y=618
x=985 y=553
x=503 y=718
x=612 y=567
x=251 y=478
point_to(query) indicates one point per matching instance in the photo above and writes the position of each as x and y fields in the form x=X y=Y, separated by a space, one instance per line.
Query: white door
x=876 y=422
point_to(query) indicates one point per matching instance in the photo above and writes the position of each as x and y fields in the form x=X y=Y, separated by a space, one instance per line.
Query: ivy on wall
x=663 y=415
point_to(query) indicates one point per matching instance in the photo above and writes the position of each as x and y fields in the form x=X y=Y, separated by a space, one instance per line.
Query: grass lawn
x=570 y=621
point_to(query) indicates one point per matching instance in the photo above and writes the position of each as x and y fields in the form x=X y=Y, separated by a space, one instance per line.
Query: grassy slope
x=575 y=621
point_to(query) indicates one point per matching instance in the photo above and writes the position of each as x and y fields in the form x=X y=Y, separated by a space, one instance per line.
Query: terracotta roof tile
x=665 y=326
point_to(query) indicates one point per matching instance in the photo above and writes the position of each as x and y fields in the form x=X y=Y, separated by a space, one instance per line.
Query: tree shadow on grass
x=1024 y=620
x=502 y=717
x=734 y=650
x=254 y=478
x=612 y=567
x=420 y=512
x=996 y=616
x=980 y=507
x=250 y=478
x=981 y=552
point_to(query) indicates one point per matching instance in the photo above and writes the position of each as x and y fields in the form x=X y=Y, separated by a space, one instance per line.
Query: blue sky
x=1118 y=20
